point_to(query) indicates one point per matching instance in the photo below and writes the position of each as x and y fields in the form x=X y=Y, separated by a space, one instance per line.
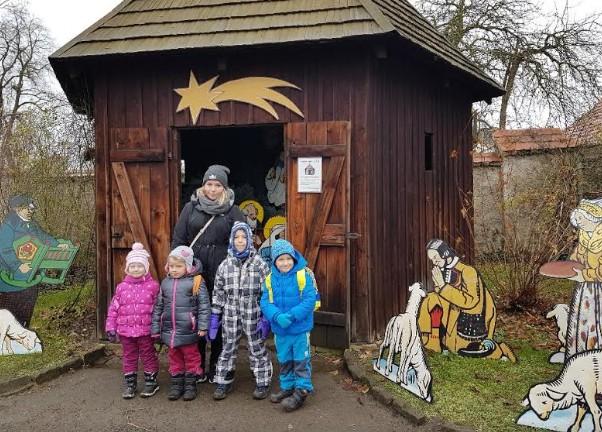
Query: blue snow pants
x=294 y=355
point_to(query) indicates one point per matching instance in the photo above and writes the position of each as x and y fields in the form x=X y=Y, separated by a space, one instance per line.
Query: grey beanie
x=217 y=172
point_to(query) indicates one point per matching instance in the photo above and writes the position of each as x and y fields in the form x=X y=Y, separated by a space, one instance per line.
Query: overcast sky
x=67 y=18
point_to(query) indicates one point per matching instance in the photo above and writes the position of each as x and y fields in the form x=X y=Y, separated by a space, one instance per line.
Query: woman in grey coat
x=180 y=318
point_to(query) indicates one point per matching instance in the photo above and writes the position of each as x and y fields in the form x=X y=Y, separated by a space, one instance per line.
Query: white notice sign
x=309 y=178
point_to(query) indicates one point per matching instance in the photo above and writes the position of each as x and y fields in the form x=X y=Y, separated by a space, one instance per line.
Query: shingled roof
x=137 y=26
x=511 y=141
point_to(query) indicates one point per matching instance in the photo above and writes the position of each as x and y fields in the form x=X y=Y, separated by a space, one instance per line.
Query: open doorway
x=255 y=156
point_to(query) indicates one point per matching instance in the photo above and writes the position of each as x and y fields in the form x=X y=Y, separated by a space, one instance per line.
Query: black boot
x=261 y=392
x=130 y=382
x=189 y=387
x=150 y=384
x=282 y=394
x=221 y=391
x=295 y=401
x=177 y=387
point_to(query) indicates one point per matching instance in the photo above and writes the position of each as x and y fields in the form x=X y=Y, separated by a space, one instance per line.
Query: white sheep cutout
x=561 y=314
x=402 y=336
x=11 y=330
x=577 y=384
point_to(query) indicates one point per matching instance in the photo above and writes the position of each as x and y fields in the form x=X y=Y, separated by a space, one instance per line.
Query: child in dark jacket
x=129 y=317
x=180 y=317
x=290 y=312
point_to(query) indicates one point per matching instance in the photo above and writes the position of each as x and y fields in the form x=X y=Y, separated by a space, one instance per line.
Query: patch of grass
x=59 y=343
x=484 y=394
x=487 y=394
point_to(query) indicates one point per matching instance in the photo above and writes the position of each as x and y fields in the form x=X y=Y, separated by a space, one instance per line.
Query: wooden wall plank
x=132 y=209
x=295 y=134
x=317 y=136
x=104 y=279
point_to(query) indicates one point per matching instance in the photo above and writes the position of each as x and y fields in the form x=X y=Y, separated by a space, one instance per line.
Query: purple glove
x=112 y=336
x=214 y=324
x=263 y=328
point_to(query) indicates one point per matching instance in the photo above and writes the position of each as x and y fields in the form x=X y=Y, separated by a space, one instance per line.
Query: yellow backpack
x=301 y=282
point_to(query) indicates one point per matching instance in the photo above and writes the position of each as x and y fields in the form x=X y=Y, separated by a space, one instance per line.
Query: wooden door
x=140 y=196
x=318 y=223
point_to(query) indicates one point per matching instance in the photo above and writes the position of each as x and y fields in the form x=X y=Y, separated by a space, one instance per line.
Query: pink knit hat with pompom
x=137 y=255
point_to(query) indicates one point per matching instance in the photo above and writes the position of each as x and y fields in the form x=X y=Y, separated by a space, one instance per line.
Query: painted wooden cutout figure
x=275 y=228
x=28 y=256
x=561 y=314
x=253 y=212
x=462 y=306
x=14 y=338
x=568 y=403
x=402 y=337
x=275 y=182
x=584 y=330
x=562 y=404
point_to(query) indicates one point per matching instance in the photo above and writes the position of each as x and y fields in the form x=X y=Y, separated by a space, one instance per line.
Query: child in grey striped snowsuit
x=236 y=295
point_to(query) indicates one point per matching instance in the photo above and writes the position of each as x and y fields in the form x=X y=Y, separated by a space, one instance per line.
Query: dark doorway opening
x=252 y=153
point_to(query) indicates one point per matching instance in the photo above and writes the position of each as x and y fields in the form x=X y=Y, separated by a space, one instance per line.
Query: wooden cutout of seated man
x=460 y=314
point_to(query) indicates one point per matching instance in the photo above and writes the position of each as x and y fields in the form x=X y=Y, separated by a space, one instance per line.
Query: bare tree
x=544 y=62
x=24 y=48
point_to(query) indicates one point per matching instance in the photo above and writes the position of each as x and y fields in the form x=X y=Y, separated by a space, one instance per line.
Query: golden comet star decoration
x=256 y=91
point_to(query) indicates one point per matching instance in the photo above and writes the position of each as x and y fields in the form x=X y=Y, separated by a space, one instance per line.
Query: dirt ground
x=90 y=400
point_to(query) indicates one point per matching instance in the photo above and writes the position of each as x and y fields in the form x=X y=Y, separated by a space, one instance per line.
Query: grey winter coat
x=178 y=315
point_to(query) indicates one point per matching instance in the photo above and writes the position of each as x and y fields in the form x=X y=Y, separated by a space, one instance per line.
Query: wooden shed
x=367 y=86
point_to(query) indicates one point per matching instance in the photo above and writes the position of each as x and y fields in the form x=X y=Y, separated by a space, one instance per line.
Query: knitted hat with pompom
x=137 y=255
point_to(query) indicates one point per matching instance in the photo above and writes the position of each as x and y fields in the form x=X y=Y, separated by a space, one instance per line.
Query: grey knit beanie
x=217 y=172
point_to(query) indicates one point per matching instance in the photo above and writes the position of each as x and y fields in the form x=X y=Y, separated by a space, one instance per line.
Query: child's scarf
x=238 y=226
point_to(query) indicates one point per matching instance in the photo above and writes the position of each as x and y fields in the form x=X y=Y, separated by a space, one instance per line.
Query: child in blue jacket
x=290 y=312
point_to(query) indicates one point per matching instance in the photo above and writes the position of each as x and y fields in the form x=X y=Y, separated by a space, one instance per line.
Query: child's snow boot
x=150 y=384
x=295 y=401
x=177 y=387
x=221 y=391
x=261 y=392
x=281 y=395
x=189 y=387
x=130 y=382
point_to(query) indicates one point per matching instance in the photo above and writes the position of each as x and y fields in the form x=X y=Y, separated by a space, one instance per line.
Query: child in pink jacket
x=130 y=317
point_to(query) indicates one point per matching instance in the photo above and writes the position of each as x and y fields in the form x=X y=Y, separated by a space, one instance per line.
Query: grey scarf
x=202 y=203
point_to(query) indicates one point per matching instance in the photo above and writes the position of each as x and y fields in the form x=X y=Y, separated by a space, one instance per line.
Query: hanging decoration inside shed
x=275 y=182
x=570 y=401
x=256 y=91
x=275 y=228
x=28 y=256
x=402 y=338
x=459 y=316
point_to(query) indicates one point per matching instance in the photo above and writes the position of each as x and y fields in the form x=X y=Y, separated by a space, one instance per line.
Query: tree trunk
x=509 y=80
